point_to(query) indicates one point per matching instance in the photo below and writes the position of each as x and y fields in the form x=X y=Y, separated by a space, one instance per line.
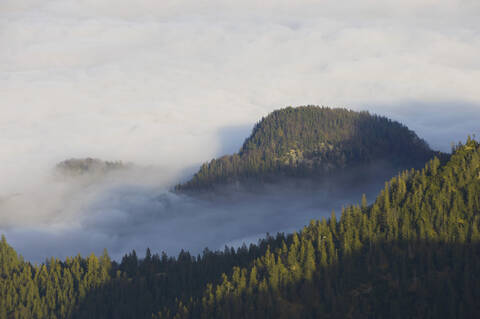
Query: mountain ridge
x=311 y=141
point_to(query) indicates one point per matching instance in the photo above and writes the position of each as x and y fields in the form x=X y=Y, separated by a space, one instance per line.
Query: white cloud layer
x=163 y=82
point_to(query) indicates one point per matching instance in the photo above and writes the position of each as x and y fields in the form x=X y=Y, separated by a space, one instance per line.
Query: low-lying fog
x=43 y=213
x=130 y=209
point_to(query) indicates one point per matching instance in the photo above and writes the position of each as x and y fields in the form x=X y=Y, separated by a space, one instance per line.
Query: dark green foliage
x=81 y=166
x=311 y=141
x=413 y=253
x=98 y=288
x=141 y=287
x=51 y=290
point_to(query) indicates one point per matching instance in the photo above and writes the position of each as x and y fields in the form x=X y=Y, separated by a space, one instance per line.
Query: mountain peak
x=309 y=141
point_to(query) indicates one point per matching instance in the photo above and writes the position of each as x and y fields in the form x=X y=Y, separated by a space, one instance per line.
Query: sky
x=171 y=84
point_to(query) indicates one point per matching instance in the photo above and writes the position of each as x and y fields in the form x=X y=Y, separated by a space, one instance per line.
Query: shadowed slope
x=414 y=253
x=312 y=141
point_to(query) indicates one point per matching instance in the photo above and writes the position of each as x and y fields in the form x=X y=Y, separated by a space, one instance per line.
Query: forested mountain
x=84 y=166
x=413 y=253
x=311 y=141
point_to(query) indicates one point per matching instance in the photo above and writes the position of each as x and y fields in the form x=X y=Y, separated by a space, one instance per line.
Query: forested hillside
x=82 y=166
x=311 y=141
x=413 y=253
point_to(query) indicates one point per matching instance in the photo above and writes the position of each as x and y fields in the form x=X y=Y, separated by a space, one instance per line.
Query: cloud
x=440 y=123
x=156 y=82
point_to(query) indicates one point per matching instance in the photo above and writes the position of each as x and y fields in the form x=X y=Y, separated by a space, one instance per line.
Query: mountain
x=312 y=141
x=88 y=166
x=413 y=253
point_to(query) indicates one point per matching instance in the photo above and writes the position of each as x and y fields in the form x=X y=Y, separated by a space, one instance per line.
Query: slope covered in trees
x=311 y=141
x=96 y=287
x=413 y=253
x=83 y=166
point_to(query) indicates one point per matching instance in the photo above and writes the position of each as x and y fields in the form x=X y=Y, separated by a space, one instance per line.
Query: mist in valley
x=132 y=209
x=60 y=213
